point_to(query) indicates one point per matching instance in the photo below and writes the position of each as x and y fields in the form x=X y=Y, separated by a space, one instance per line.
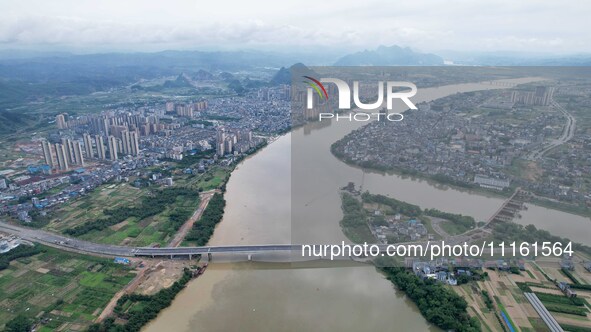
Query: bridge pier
x=209 y=257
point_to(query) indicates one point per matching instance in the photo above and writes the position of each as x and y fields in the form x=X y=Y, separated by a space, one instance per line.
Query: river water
x=274 y=198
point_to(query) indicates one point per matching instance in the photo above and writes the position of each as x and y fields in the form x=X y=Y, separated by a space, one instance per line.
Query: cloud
x=428 y=25
x=62 y=30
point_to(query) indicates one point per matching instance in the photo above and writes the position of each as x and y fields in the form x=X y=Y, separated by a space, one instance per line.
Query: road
x=182 y=233
x=567 y=134
x=64 y=242
x=70 y=244
x=436 y=224
x=175 y=242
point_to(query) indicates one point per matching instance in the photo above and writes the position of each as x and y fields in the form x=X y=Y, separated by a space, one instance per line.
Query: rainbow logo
x=316 y=85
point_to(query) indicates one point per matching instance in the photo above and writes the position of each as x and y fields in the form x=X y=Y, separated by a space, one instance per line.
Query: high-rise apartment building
x=62 y=158
x=60 y=120
x=100 y=147
x=113 y=147
x=88 y=146
x=47 y=153
x=77 y=147
x=135 y=144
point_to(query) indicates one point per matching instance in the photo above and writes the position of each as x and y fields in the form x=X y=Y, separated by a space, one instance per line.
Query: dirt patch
x=546 y=290
x=145 y=222
x=531 y=171
x=160 y=276
x=61 y=313
x=118 y=226
x=42 y=270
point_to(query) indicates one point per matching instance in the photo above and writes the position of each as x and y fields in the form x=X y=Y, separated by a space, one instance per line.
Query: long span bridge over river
x=288 y=251
x=506 y=212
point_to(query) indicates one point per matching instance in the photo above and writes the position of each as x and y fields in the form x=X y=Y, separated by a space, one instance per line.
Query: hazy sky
x=427 y=25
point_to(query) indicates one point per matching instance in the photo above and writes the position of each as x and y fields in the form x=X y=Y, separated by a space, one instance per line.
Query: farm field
x=131 y=231
x=506 y=293
x=65 y=291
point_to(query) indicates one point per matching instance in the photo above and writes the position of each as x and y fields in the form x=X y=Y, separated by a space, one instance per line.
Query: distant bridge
x=508 y=209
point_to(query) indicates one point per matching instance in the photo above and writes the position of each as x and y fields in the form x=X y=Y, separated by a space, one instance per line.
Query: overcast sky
x=426 y=25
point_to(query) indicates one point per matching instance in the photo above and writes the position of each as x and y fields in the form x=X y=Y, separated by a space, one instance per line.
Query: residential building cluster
x=460 y=141
x=234 y=141
x=397 y=228
x=453 y=270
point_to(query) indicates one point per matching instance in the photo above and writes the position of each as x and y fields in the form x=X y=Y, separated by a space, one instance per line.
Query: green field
x=90 y=207
x=131 y=231
x=64 y=290
x=452 y=228
x=214 y=178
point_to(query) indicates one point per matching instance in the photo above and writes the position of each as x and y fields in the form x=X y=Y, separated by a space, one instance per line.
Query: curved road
x=567 y=134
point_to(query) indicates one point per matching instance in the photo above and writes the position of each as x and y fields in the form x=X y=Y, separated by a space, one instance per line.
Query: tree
x=19 y=324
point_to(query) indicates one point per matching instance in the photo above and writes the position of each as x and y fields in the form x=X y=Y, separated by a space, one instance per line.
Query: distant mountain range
x=283 y=76
x=30 y=76
x=390 y=56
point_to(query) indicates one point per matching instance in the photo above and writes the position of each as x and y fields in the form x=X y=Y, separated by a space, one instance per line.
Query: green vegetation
x=560 y=299
x=90 y=207
x=566 y=309
x=37 y=220
x=150 y=206
x=138 y=310
x=524 y=286
x=487 y=300
x=581 y=286
x=204 y=227
x=563 y=206
x=573 y=328
x=354 y=224
x=57 y=289
x=461 y=223
x=205 y=123
x=505 y=313
x=19 y=324
x=397 y=206
x=214 y=178
x=437 y=304
x=18 y=252
x=567 y=273
x=179 y=83
x=191 y=160
x=510 y=231
x=355 y=227
x=557 y=303
x=444 y=179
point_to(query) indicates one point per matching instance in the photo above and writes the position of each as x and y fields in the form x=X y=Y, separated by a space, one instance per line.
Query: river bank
x=289 y=193
x=440 y=180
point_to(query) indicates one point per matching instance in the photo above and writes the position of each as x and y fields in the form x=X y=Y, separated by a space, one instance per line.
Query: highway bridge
x=73 y=244
x=506 y=212
x=287 y=252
